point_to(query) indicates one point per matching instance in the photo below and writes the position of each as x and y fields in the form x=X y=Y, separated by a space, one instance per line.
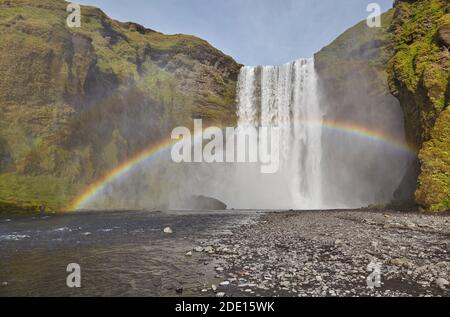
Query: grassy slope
x=68 y=97
x=360 y=51
x=419 y=76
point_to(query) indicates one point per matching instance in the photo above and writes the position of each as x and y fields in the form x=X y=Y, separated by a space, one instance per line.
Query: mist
x=321 y=167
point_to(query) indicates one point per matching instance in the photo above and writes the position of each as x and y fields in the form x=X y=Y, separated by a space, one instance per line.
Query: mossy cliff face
x=409 y=58
x=419 y=76
x=75 y=102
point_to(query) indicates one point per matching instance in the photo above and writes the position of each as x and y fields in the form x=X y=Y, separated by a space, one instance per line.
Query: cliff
x=354 y=91
x=419 y=76
x=75 y=102
x=407 y=58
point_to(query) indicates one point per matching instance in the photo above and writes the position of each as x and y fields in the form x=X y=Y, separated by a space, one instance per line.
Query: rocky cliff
x=75 y=102
x=419 y=76
x=408 y=57
x=355 y=92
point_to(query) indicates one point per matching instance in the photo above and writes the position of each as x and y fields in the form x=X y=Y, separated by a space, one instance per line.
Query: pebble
x=168 y=230
x=292 y=256
x=442 y=283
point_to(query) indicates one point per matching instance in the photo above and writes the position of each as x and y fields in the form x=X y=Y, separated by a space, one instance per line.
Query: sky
x=253 y=32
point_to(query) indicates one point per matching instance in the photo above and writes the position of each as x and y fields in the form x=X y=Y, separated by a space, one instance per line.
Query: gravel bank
x=327 y=253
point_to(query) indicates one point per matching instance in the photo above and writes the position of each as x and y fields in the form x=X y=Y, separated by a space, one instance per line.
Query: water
x=120 y=253
x=286 y=97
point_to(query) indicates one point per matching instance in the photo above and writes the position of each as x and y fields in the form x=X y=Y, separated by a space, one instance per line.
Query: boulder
x=204 y=203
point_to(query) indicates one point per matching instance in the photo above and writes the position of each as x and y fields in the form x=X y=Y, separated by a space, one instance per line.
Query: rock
x=168 y=230
x=189 y=253
x=214 y=288
x=319 y=278
x=225 y=283
x=444 y=35
x=179 y=290
x=198 y=249
x=442 y=283
x=338 y=242
x=203 y=203
x=209 y=249
x=219 y=269
x=402 y=262
x=221 y=294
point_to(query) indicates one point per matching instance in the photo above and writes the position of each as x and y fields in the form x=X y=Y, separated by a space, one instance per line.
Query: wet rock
x=168 y=230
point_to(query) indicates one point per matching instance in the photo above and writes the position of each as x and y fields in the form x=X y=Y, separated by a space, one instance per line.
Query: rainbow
x=154 y=150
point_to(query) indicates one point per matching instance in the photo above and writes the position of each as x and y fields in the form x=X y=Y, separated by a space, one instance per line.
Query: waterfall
x=286 y=97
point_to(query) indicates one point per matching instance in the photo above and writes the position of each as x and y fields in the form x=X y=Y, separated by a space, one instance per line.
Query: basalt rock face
x=75 y=102
x=419 y=76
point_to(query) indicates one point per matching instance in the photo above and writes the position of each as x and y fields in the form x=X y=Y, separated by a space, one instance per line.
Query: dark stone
x=444 y=35
x=405 y=193
x=204 y=203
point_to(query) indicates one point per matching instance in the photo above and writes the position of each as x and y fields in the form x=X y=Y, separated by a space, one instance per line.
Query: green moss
x=76 y=102
x=34 y=192
x=419 y=76
x=434 y=182
x=419 y=69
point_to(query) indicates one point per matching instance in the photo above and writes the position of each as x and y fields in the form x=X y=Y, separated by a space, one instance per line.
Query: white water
x=286 y=97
